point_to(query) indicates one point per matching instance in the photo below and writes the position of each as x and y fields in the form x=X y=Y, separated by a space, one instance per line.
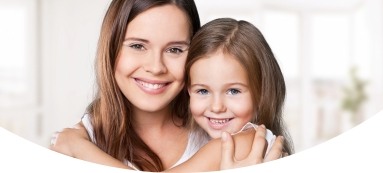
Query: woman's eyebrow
x=186 y=43
x=136 y=39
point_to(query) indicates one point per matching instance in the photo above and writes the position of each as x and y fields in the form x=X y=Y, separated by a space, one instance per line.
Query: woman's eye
x=233 y=91
x=202 y=91
x=137 y=46
x=175 y=50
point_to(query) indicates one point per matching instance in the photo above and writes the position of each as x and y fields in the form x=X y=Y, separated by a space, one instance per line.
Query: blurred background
x=330 y=51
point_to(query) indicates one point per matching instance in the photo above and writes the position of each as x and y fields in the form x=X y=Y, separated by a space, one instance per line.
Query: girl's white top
x=270 y=137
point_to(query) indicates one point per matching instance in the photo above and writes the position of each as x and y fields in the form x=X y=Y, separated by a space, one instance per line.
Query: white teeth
x=219 y=121
x=151 y=86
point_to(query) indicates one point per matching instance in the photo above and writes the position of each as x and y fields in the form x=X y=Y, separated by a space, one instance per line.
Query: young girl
x=233 y=78
x=234 y=83
x=139 y=114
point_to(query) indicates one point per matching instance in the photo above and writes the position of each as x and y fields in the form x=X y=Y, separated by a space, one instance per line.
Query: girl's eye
x=137 y=46
x=175 y=50
x=233 y=91
x=203 y=91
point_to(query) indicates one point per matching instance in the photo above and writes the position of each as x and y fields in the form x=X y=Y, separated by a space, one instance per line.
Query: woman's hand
x=75 y=142
x=256 y=154
x=67 y=140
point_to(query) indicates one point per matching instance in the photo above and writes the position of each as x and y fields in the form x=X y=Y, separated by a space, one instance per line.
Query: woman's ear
x=189 y=90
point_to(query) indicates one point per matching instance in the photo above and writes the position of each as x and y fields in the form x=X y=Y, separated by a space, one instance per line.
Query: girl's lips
x=218 y=124
x=152 y=87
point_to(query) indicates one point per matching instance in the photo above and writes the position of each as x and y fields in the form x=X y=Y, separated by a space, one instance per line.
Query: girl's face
x=150 y=65
x=220 y=99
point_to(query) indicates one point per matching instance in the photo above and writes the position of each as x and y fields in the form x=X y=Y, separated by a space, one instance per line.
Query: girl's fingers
x=276 y=150
x=259 y=145
x=227 y=151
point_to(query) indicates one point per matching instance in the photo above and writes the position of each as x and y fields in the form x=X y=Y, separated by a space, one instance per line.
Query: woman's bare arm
x=249 y=147
x=75 y=142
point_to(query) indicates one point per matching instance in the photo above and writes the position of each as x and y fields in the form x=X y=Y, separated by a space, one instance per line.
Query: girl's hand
x=257 y=152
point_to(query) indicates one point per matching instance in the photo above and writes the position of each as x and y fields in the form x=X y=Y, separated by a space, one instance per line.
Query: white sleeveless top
x=197 y=139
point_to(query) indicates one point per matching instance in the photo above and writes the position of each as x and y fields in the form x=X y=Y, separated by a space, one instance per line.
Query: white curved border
x=357 y=150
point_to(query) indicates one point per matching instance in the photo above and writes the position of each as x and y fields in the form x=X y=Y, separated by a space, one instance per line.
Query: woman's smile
x=152 y=87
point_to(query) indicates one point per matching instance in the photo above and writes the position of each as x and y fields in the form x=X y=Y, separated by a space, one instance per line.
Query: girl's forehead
x=218 y=55
x=217 y=60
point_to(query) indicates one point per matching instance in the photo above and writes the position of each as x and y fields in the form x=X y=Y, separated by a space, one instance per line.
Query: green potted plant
x=354 y=96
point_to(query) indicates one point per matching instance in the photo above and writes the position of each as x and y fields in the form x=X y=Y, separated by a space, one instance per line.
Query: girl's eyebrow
x=237 y=83
x=198 y=85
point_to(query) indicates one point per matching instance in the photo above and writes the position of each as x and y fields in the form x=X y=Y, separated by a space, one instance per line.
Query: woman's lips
x=152 y=87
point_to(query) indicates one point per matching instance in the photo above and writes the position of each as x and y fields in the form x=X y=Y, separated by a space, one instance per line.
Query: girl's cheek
x=242 y=109
x=197 y=106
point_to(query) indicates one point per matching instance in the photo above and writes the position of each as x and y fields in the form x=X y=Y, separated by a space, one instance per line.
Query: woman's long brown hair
x=247 y=44
x=110 y=111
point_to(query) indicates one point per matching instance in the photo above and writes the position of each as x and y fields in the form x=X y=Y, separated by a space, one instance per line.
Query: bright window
x=18 y=58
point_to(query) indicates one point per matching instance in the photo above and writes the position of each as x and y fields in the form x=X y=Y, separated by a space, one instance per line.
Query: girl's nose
x=217 y=105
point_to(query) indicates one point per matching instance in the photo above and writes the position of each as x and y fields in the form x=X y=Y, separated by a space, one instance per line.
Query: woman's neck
x=153 y=120
x=163 y=133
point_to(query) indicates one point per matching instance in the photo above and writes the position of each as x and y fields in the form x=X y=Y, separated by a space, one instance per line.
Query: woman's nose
x=155 y=64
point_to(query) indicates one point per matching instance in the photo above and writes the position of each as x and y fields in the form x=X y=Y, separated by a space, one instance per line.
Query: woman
x=139 y=114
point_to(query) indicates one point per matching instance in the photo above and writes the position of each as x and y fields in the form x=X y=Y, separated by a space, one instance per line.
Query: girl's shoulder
x=270 y=137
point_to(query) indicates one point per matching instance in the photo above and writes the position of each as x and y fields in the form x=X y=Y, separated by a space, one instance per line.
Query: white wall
x=69 y=33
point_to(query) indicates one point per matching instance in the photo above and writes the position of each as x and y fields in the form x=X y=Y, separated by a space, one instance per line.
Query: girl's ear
x=254 y=119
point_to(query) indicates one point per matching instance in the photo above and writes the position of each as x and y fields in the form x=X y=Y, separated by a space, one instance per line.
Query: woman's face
x=150 y=64
x=220 y=97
